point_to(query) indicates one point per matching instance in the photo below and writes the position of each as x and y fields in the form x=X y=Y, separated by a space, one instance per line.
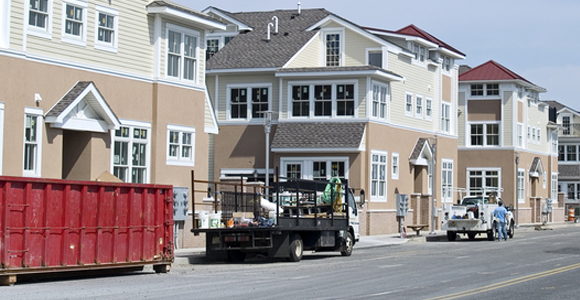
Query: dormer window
x=446 y=64
x=490 y=89
x=419 y=52
x=332 y=50
x=376 y=58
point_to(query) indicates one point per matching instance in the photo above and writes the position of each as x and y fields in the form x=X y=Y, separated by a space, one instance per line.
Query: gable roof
x=176 y=11
x=493 y=71
x=308 y=137
x=560 y=107
x=422 y=152
x=413 y=30
x=251 y=49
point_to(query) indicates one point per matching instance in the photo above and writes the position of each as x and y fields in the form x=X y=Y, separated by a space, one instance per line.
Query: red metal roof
x=490 y=70
x=413 y=30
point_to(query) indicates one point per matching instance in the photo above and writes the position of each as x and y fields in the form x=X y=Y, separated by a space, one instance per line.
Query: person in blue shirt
x=500 y=213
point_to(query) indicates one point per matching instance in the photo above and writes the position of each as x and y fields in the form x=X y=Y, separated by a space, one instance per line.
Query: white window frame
x=554 y=142
x=183 y=31
x=101 y=45
x=520 y=135
x=428 y=109
x=378 y=103
x=328 y=31
x=483 y=178
x=36 y=170
x=130 y=140
x=485 y=134
x=544 y=179
x=370 y=51
x=484 y=91
x=420 y=53
x=419 y=106
x=179 y=159
x=409 y=104
x=521 y=188
x=311 y=103
x=446 y=116
x=567 y=126
x=395 y=166
x=43 y=32
x=538 y=136
x=307 y=165
x=375 y=194
x=81 y=39
x=554 y=187
x=221 y=37
x=446 y=182
x=248 y=87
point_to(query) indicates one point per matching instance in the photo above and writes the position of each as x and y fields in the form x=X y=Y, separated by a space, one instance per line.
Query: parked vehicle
x=50 y=225
x=473 y=216
x=304 y=215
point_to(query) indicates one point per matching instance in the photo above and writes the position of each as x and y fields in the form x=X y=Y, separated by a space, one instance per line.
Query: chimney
x=299 y=8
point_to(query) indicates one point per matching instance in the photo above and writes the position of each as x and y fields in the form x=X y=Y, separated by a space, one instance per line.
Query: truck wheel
x=296 y=248
x=491 y=233
x=451 y=236
x=347 y=244
x=511 y=230
x=471 y=235
x=236 y=256
x=162 y=268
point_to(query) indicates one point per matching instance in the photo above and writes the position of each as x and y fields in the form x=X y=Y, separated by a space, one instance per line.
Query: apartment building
x=88 y=87
x=506 y=140
x=374 y=106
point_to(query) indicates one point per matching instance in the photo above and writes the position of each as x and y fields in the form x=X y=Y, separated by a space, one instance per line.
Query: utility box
x=402 y=205
x=180 y=203
x=549 y=208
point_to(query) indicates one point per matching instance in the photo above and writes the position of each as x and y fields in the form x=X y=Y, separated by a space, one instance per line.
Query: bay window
x=182 y=48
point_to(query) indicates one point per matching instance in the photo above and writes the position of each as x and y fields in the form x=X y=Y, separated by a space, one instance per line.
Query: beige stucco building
x=88 y=87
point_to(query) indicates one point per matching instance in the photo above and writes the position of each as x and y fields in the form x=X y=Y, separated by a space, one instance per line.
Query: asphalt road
x=533 y=265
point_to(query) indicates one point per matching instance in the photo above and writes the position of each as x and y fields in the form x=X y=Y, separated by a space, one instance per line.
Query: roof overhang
x=221 y=14
x=526 y=84
x=418 y=40
x=536 y=169
x=248 y=70
x=172 y=13
x=331 y=73
x=316 y=150
x=422 y=153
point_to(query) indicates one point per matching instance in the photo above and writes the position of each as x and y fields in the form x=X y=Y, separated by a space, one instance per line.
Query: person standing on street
x=500 y=212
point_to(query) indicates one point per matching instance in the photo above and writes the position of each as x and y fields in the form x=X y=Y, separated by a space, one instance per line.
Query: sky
x=537 y=39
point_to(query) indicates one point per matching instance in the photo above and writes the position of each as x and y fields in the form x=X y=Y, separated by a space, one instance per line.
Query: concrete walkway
x=193 y=255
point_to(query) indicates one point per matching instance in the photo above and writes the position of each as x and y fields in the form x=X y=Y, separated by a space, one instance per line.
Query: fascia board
x=174 y=13
x=340 y=73
x=248 y=70
x=316 y=150
x=241 y=26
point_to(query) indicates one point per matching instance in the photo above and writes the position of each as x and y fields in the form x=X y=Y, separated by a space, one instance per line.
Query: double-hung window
x=447 y=181
x=484 y=134
x=32 y=142
x=428 y=108
x=483 y=181
x=333 y=49
x=521 y=188
x=379 y=175
x=419 y=52
x=419 y=107
x=294 y=170
x=381 y=96
x=322 y=99
x=182 y=48
x=246 y=102
x=39 y=17
x=301 y=101
x=445 y=118
x=74 y=29
x=212 y=47
x=180 y=145
x=571 y=154
x=408 y=104
x=131 y=148
x=107 y=28
x=259 y=101
x=554 y=187
x=566 y=125
x=239 y=103
x=395 y=166
x=520 y=135
x=345 y=100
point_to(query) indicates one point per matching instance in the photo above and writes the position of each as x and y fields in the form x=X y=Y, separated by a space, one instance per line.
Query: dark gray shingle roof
x=569 y=171
x=337 y=69
x=164 y=3
x=252 y=49
x=318 y=135
x=418 y=148
x=71 y=96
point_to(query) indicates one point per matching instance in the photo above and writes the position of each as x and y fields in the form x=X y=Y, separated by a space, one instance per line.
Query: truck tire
x=451 y=236
x=511 y=230
x=162 y=268
x=296 y=248
x=491 y=233
x=471 y=235
x=347 y=244
x=236 y=256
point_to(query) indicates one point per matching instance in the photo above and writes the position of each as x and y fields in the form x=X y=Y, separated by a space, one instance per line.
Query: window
x=375 y=58
x=477 y=90
x=294 y=171
x=484 y=135
x=322 y=100
x=428 y=108
x=378 y=175
x=180 y=145
x=419 y=52
x=571 y=194
x=544 y=179
x=446 y=63
x=238 y=101
x=571 y=153
x=554 y=142
x=482 y=181
x=32 y=142
x=300 y=101
x=492 y=89
x=319 y=170
x=520 y=133
x=533 y=134
x=107 y=27
x=529 y=134
x=131 y=153
x=419 y=107
x=74 y=22
x=554 y=187
x=39 y=18
x=566 y=125
x=259 y=101
x=447 y=181
x=409 y=104
x=211 y=48
x=521 y=187
x=380 y=101
x=445 y=118
x=561 y=152
x=182 y=45
x=333 y=50
x=539 y=140
x=395 y=166
x=345 y=100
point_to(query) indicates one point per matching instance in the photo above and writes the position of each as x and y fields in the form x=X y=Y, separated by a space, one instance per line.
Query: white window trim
x=395 y=173
x=198 y=62
x=102 y=45
x=69 y=38
x=33 y=30
x=520 y=135
x=483 y=180
x=307 y=164
x=132 y=124
x=523 y=185
x=544 y=179
x=384 y=54
x=554 y=186
x=429 y=117
x=388 y=103
x=419 y=115
x=417 y=61
x=452 y=170
x=311 y=85
x=248 y=87
x=180 y=161
x=444 y=70
x=39 y=134
x=484 y=123
x=485 y=95
x=409 y=112
x=386 y=164
x=332 y=30
x=450 y=118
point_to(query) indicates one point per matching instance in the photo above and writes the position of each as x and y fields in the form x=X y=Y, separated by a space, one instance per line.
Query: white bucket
x=272 y=216
x=470 y=215
x=203 y=219
x=214 y=220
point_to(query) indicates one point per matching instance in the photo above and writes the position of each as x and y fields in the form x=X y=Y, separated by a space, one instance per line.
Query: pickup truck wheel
x=451 y=236
x=236 y=256
x=491 y=233
x=347 y=244
x=511 y=230
x=471 y=235
x=296 y=248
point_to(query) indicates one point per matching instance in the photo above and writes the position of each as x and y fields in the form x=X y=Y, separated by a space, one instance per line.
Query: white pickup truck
x=473 y=216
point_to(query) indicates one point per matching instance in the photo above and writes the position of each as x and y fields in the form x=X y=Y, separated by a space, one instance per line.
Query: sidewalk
x=196 y=255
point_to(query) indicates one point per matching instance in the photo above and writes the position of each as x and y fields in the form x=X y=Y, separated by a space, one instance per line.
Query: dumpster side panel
x=52 y=225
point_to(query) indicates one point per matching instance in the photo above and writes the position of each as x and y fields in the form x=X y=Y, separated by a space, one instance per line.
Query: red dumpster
x=49 y=225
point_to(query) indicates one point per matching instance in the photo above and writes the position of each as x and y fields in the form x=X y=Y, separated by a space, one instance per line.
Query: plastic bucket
x=214 y=220
x=272 y=216
x=203 y=218
x=571 y=214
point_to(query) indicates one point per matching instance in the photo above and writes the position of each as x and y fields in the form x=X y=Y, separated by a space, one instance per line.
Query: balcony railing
x=569 y=130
